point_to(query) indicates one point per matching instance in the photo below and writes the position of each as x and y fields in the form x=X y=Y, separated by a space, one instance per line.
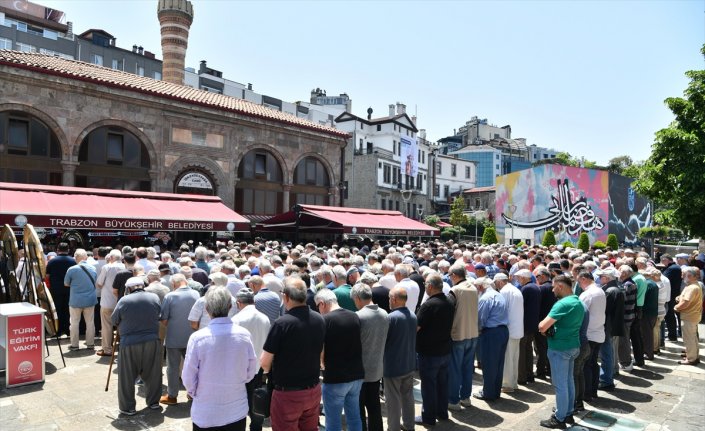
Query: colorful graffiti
x=564 y=199
x=629 y=212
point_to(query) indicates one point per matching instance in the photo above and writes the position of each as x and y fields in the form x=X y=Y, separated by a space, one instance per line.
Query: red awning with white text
x=360 y=221
x=99 y=209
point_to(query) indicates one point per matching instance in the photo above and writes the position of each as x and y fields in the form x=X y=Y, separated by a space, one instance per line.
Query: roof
x=480 y=189
x=361 y=221
x=99 y=209
x=99 y=75
x=402 y=119
x=88 y=32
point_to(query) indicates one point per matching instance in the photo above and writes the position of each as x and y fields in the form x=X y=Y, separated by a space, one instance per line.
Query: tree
x=612 y=242
x=619 y=164
x=432 y=220
x=566 y=159
x=489 y=236
x=584 y=242
x=673 y=175
x=457 y=214
x=549 y=239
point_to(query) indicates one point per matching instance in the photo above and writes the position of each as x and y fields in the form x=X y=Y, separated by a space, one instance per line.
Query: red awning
x=443 y=224
x=99 y=209
x=360 y=221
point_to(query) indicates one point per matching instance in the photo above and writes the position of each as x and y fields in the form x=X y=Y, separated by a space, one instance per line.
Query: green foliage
x=618 y=164
x=566 y=159
x=612 y=242
x=432 y=220
x=489 y=236
x=673 y=175
x=521 y=244
x=568 y=244
x=664 y=217
x=660 y=232
x=549 y=238
x=452 y=232
x=584 y=242
x=457 y=215
x=599 y=245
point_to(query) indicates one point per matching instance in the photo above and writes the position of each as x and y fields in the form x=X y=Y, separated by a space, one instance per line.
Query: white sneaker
x=466 y=402
x=629 y=367
x=454 y=407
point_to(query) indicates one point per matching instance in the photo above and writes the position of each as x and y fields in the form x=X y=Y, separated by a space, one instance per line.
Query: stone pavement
x=660 y=396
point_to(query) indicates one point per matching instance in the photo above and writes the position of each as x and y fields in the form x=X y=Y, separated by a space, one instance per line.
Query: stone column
x=333 y=195
x=154 y=181
x=69 y=172
x=286 y=190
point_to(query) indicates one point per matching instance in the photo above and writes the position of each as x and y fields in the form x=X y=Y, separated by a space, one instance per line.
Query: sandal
x=102 y=352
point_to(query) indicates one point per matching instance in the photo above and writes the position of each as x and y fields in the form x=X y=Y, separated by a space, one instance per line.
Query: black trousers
x=235 y=426
x=672 y=320
x=255 y=421
x=526 y=358
x=541 y=348
x=591 y=370
x=636 y=337
x=370 y=407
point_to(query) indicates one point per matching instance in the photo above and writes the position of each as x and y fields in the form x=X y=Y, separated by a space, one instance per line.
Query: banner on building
x=409 y=151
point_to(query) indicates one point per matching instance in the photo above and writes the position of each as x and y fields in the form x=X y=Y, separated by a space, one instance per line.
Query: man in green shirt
x=562 y=327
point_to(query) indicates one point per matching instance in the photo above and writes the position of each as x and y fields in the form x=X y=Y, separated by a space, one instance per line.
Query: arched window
x=30 y=151
x=259 y=188
x=194 y=182
x=311 y=183
x=113 y=158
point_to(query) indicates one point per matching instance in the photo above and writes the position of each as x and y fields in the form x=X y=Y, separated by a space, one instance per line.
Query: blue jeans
x=338 y=397
x=460 y=370
x=433 y=371
x=607 y=362
x=562 y=363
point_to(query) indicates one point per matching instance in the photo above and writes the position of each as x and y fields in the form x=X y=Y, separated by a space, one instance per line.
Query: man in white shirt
x=271 y=281
x=515 y=306
x=108 y=300
x=594 y=299
x=258 y=324
x=388 y=280
x=401 y=274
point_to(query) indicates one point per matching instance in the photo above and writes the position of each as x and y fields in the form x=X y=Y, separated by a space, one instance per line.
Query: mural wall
x=564 y=199
x=629 y=212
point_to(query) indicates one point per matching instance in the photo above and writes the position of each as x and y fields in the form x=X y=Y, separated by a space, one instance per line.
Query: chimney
x=175 y=19
x=140 y=50
x=413 y=119
x=422 y=133
x=401 y=108
x=391 y=110
x=69 y=30
x=134 y=49
x=249 y=86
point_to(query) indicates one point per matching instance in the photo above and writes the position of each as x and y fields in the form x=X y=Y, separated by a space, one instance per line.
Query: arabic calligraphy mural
x=564 y=199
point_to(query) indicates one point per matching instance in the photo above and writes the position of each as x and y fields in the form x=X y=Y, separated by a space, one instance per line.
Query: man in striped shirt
x=266 y=301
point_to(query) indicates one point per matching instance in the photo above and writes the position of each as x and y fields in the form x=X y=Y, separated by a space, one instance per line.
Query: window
x=496 y=156
x=397 y=205
x=396 y=175
x=390 y=205
x=140 y=70
x=423 y=157
x=18 y=138
x=5 y=43
x=419 y=182
x=384 y=204
x=25 y=47
x=50 y=34
x=115 y=149
x=453 y=169
x=260 y=164
x=21 y=26
x=117 y=64
x=379 y=127
x=97 y=59
x=394 y=147
x=437 y=190
x=545 y=156
x=467 y=171
x=496 y=167
x=439 y=169
x=477 y=203
x=362 y=126
x=446 y=189
x=387 y=174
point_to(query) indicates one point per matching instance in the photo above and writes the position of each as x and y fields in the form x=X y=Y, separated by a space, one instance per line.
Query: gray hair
x=295 y=289
x=243 y=271
x=693 y=271
x=327 y=296
x=115 y=254
x=151 y=252
x=340 y=272
x=435 y=280
x=265 y=266
x=256 y=280
x=228 y=265
x=245 y=296
x=626 y=270
x=219 y=279
x=186 y=271
x=80 y=253
x=523 y=273
x=387 y=264
x=401 y=270
x=200 y=253
x=361 y=291
x=177 y=279
x=368 y=278
x=457 y=269
x=218 y=302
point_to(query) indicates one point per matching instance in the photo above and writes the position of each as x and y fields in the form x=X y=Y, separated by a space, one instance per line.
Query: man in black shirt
x=433 y=343
x=292 y=353
x=342 y=363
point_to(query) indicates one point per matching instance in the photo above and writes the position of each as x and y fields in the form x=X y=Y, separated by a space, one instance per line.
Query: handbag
x=262 y=398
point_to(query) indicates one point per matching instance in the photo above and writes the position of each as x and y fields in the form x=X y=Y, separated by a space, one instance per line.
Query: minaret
x=175 y=18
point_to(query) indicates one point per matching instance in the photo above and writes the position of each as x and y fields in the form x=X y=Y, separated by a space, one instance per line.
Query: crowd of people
x=341 y=326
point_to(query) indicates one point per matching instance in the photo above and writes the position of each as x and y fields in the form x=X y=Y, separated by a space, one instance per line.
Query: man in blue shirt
x=80 y=279
x=494 y=335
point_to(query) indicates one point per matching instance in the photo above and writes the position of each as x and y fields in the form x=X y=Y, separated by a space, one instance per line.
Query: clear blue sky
x=587 y=77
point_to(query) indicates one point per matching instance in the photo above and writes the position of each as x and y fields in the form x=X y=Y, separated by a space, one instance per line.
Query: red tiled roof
x=115 y=78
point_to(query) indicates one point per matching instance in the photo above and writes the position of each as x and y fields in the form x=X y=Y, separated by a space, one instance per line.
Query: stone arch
x=206 y=165
x=329 y=168
x=153 y=162
x=286 y=170
x=45 y=118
